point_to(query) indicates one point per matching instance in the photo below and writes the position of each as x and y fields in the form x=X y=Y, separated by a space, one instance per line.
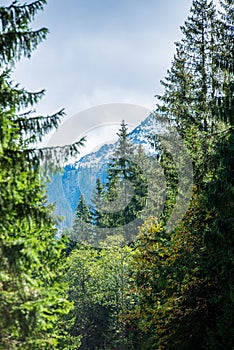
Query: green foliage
x=224 y=60
x=33 y=296
x=82 y=218
x=116 y=205
x=167 y=290
x=125 y=190
x=172 y=285
x=178 y=288
x=98 y=280
x=185 y=279
x=17 y=39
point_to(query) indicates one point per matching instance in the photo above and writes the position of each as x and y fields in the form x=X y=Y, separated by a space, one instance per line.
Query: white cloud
x=101 y=52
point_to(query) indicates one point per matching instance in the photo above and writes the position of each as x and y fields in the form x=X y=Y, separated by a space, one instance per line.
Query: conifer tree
x=126 y=187
x=186 y=281
x=219 y=191
x=32 y=296
x=97 y=203
x=225 y=63
x=98 y=214
x=119 y=168
x=80 y=229
x=191 y=82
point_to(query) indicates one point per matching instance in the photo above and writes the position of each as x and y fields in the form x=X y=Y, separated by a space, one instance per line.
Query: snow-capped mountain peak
x=80 y=177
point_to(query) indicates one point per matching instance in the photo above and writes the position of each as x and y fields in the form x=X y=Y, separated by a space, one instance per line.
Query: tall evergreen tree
x=191 y=82
x=225 y=63
x=32 y=296
x=126 y=187
x=219 y=191
x=120 y=168
x=185 y=280
x=97 y=203
x=80 y=229
x=98 y=214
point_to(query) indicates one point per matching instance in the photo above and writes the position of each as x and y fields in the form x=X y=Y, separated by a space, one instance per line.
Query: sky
x=101 y=52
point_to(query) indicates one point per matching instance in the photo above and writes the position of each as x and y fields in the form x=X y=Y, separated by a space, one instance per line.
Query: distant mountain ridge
x=80 y=177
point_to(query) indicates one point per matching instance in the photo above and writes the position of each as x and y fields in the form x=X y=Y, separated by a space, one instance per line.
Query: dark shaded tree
x=80 y=229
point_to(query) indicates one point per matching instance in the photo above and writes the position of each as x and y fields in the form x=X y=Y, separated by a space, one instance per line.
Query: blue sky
x=103 y=51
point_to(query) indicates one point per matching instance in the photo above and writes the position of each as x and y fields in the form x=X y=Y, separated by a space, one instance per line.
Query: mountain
x=80 y=177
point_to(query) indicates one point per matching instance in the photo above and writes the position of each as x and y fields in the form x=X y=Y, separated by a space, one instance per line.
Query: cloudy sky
x=103 y=51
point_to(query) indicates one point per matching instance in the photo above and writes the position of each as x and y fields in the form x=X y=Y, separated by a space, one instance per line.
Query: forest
x=144 y=286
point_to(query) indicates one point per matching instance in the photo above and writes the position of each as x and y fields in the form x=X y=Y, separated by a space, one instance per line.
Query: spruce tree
x=186 y=284
x=219 y=191
x=80 y=228
x=191 y=81
x=96 y=201
x=126 y=187
x=225 y=63
x=32 y=296
x=98 y=214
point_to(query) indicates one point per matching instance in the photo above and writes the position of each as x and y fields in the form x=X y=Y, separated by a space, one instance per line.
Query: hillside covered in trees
x=123 y=279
